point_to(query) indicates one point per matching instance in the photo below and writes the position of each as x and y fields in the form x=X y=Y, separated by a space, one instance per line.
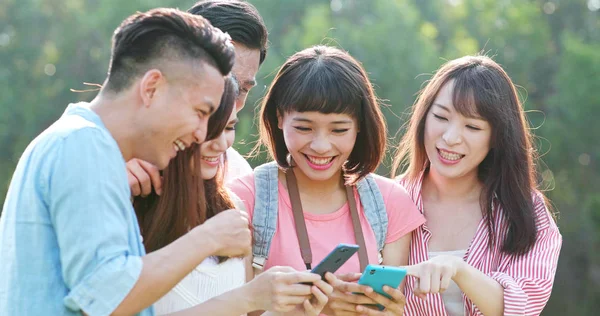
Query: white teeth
x=179 y=145
x=319 y=161
x=449 y=156
x=210 y=159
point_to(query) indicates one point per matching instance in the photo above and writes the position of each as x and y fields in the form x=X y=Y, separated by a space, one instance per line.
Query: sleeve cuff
x=105 y=288
x=515 y=299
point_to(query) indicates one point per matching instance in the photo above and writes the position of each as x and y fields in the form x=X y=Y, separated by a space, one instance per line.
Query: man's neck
x=116 y=113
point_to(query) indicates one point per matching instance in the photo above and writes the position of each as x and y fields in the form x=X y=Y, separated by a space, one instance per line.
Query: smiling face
x=455 y=144
x=213 y=151
x=319 y=143
x=245 y=68
x=176 y=111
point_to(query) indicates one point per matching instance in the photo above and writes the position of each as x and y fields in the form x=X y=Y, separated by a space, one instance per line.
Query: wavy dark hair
x=483 y=88
x=186 y=200
x=326 y=80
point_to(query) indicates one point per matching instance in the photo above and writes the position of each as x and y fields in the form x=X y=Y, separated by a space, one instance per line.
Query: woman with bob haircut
x=490 y=245
x=193 y=193
x=323 y=126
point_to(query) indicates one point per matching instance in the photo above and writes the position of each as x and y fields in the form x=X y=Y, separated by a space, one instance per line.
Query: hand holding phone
x=377 y=276
x=335 y=259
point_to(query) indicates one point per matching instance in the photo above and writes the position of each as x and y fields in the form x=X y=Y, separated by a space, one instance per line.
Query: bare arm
x=225 y=234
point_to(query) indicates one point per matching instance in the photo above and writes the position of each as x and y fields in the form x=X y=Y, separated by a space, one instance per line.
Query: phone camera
x=372 y=272
x=344 y=249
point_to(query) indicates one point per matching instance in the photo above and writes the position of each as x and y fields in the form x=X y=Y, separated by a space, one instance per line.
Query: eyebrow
x=300 y=119
x=475 y=117
x=211 y=106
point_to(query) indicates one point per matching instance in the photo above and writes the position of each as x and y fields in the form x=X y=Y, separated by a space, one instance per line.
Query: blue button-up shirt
x=69 y=238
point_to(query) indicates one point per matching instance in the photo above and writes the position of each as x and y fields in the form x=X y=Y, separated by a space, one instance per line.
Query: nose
x=453 y=135
x=320 y=144
x=200 y=135
x=219 y=144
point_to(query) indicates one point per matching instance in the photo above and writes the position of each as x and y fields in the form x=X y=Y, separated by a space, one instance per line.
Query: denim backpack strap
x=264 y=220
x=374 y=208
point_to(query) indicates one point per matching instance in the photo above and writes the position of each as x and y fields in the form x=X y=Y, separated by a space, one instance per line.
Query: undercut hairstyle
x=186 y=200
x=326 y=80
x=239 y=19
x=483 y=89
x=144 y=40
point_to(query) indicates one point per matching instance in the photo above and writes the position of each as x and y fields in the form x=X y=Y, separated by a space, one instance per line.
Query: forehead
x=456 y=99
x=246 y=62
x=201 y=84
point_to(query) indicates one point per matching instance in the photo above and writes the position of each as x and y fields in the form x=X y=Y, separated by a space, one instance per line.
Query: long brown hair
x=482 y=87
x=326 y=80
x=186 y=200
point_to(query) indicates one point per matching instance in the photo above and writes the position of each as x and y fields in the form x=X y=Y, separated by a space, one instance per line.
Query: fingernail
x=386 y=288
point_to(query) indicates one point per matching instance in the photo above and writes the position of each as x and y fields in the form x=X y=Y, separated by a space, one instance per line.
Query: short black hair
x=327 y=80
x=239 y=19
x=144 y=38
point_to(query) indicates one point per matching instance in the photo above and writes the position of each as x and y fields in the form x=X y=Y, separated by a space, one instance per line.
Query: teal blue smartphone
x=377 y=276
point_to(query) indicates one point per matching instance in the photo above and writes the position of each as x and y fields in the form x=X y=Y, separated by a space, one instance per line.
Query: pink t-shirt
x=326 y=231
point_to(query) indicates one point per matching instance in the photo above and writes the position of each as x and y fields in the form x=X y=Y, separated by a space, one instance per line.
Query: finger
x=379 y=299
x=396 y=304
x=331 y=279
x=349 y=277
x=154 y=175
x=134 y=173
x=412 y=270
x=342 y=306
x=292 y=300
x=445 y=282
x=356 y=299
x=370 y=311
x=425 y=281
x=134 y=184
x=295 y=289
x=299 y=277
x=436 y=277
x=320 y=296
x=281 y=269
x=324 y=287
x=352 y=287
x=417 y=291
x=142 y=177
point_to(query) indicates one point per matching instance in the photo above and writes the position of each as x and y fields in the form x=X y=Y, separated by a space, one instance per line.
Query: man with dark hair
x=69 y=238
x=247 y=29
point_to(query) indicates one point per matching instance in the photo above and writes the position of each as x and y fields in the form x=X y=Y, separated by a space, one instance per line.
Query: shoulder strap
x=264 y=220
x=374 y=208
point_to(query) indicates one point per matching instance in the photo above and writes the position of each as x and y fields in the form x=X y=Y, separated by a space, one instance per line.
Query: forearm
x=233 y=303
x=164 y=268
x=486 y=293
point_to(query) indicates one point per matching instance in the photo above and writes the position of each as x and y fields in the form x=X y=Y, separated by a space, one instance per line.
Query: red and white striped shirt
x=527 y=280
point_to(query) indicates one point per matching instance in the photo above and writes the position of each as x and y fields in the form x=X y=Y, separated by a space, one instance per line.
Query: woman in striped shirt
x=489 y=246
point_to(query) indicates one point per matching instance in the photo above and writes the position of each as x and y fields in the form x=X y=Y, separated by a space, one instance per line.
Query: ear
x=149 y=84
x=279 y=120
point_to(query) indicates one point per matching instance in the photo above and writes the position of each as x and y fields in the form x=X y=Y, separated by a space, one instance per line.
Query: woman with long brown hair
x=192 y=193
x=490 y=245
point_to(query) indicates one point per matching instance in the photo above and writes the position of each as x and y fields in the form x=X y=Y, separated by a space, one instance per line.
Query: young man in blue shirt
x=69 y=238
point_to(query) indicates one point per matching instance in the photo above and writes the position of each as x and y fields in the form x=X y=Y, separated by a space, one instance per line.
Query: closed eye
x=230 y=128
x=340 y=130
x=475 y=128
x=302 y=129
x=441 y=118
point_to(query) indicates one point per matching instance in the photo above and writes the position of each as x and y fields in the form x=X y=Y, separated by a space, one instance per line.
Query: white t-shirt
x=237 y=166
